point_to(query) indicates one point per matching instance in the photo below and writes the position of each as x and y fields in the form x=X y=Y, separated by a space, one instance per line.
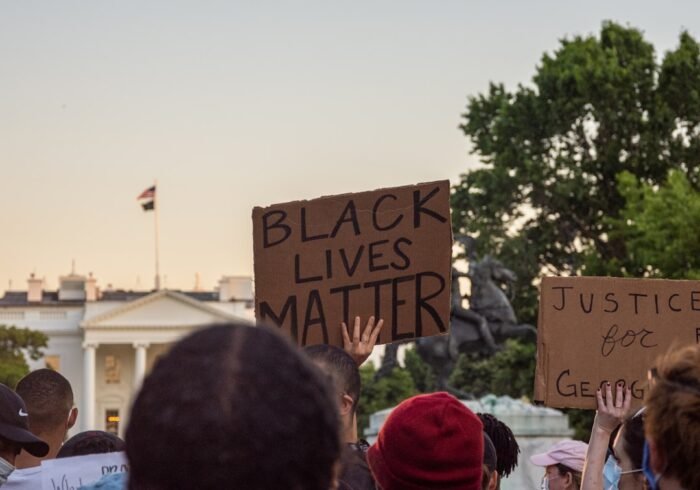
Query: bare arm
x=610 y=414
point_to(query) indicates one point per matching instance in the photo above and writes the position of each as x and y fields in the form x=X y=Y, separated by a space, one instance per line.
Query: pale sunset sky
x=233 y=104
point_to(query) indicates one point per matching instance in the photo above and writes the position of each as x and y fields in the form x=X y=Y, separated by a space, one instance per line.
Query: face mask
x=5 y=469
x=652 y=478
x=545 y=483
x=612 y=473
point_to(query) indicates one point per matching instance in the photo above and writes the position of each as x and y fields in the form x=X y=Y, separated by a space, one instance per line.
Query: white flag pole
x=156 y=205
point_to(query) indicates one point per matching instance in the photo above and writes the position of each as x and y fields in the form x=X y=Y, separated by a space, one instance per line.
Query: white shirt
x=26 y=479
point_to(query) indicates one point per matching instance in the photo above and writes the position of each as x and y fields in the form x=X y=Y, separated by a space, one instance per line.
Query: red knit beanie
x=429 y=441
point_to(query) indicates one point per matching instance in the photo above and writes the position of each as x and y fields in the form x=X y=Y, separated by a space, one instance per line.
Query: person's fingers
x=618 y=396
x=609 y=402
x=377 y=330
x=346 y=335
x=368 y=329
x=628 y=400
x=356 y=331
x=600 y=399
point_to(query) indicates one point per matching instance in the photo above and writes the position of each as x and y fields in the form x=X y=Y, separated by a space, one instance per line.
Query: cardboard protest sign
x=74 y=472
x=386 y=253
x=594 y=330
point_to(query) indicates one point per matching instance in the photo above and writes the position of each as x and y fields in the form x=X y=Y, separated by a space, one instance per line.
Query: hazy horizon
x=232 y=105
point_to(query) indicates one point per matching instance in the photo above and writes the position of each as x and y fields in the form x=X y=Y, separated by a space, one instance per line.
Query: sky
x=236 y=104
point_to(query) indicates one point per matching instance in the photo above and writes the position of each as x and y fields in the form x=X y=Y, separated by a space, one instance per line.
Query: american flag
x=148 y=193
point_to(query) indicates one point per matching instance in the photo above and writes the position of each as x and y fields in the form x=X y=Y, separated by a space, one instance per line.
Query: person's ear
x=346 y=404
x=657 y=460
x=72 y=417
x=493 y=481
x=569 y=480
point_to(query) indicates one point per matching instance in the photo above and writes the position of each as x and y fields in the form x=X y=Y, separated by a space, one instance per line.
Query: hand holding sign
x=361 y=346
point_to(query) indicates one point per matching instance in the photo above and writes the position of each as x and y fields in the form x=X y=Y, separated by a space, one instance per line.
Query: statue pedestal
x=535 y=428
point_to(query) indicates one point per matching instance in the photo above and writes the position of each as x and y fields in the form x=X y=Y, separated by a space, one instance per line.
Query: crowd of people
x=231 y=406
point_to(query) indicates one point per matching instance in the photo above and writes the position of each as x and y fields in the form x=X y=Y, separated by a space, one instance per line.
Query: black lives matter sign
x=597 y=330
x=385 y=253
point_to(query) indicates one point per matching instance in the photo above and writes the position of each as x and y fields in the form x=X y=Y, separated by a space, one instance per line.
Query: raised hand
x=612 y=412
x=362 y=343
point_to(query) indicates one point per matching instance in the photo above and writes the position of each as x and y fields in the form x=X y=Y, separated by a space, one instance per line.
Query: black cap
x=14 y=425
x=490 y=459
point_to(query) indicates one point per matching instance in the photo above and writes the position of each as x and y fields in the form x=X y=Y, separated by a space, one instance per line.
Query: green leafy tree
x=382 y=393
x=15 y=343
x=660 y=226
x=552 y=152
x=421 y=372
x=508 y=372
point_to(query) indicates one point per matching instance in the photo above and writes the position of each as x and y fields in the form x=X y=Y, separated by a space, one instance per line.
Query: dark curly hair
x=91 y=442
x=233 y=406
x=507 y=448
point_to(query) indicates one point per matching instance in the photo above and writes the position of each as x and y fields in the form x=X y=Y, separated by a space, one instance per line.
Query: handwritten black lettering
x=267 y=227
x=397 y=249
x=419 y=207
x=610 y=297
x=636 y=297
x=349 y=216
x=289 y=308
x=695 y=300
x=563 y=297
x=610 y=339
x=320 y=318
x=375 y=209
x=583 y=306
x=304 y=233
x=571 y=388
x=396 y=301
x=670 y=302
x=374 y=255
x=297 y=272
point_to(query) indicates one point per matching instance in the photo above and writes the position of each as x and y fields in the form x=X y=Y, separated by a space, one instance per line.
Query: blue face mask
x=612 y=473
x=652 y=478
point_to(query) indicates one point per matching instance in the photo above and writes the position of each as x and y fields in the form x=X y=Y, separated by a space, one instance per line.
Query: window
x=112 y=370
x=112 y=420
x=53 y=362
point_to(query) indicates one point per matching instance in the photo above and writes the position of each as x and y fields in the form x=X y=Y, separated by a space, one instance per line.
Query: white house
x=105 y=342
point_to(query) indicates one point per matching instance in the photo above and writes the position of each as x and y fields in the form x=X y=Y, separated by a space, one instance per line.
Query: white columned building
x=105 y=344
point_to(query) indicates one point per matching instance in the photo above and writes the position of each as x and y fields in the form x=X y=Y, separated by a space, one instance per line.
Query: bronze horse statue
x=487 y=323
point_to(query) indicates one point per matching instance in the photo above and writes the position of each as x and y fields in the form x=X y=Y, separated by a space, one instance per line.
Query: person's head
x=91 y=442
x=429 y=441
x=672 y=418
x=489 y=479
x=14 y=430
x=49 y=399
x=624 y=465
x=504 y=441
x=233 y=406
x=563 y=465
x=345 y=374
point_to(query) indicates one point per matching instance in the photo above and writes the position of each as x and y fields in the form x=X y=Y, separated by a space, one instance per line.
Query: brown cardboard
x=327 y=260
x=594 y=330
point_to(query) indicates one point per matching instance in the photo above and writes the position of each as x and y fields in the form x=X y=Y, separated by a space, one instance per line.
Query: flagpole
x=156 y=206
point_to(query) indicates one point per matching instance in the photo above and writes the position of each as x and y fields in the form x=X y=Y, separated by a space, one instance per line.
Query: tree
x=552 y=151
x=422 y=374
x=383 y=393
x=508 y=372
x=659 y=225
x=14 y=344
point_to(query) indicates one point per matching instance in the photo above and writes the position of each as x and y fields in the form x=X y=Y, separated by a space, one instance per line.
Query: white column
x=140 y=365
x=88 y=408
